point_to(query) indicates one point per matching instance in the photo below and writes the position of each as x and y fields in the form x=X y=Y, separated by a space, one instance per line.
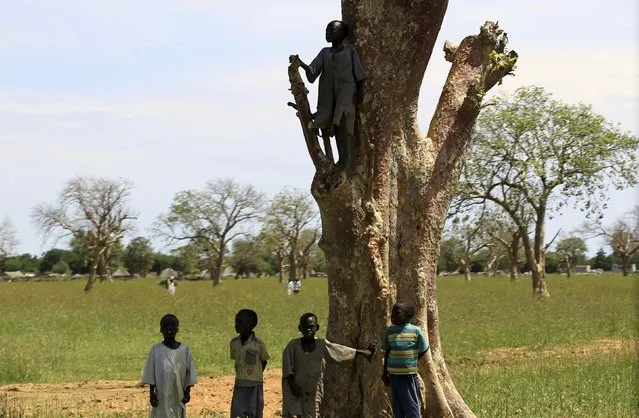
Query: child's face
x=334 y=32
x=399 y=316
x=169 y=328
x=309 y=327
x=243 y=324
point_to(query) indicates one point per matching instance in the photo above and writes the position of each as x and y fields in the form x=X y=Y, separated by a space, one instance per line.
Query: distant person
x=303 y=364
x=170 y=371
x=404 y=345
x=289 y=287
x=170 y=285
x=251 y=356
x=297 y=286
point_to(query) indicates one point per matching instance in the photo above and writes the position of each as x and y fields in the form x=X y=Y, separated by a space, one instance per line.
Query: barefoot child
x=303 y=365
x=250 y=355
x=170 y=371
x=404 y=345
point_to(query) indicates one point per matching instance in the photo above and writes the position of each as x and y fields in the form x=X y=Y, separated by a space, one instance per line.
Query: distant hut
x=121 y=272
x=13 y=275
x=166 y=273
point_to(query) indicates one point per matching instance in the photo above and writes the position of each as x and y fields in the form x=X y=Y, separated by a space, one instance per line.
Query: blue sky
x=171 y=93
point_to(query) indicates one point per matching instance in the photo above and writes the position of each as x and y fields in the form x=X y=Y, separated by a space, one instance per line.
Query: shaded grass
x=52 y=332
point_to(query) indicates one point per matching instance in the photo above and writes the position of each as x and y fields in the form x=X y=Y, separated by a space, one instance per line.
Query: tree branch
x=298 y=89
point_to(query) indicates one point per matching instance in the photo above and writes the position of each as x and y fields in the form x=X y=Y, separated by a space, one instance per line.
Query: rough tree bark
x=382 y=217
x=514 y=256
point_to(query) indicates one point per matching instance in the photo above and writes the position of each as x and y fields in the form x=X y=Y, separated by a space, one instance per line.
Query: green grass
x=52 y=332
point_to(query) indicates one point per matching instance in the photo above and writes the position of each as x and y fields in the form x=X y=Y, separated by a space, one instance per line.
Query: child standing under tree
x=404 y=345
x=170 y=371
x=303 y=364
x=251 y=356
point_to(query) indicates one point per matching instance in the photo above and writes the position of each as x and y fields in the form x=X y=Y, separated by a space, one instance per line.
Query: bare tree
x=95 y=212
x=210 y=219
x=291 y=211
x=8 y=238
x=384 y=208
x=622 y=236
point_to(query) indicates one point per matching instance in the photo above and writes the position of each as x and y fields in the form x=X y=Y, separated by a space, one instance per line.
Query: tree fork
x=382 y=217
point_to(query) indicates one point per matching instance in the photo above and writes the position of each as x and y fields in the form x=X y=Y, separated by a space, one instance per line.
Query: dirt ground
x=213 y=394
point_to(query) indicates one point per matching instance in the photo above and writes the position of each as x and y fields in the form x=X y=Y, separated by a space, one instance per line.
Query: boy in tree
x=303 y=364
x=251 y=356
x=341 y=87
x=404 y=345
x=170 y=371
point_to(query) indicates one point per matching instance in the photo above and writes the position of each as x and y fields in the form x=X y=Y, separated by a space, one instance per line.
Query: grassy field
x=509 y=354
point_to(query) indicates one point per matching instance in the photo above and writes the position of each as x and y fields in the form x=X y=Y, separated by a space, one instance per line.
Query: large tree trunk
x=382 y=217
x=568 y=267
x=292 y=262
x=514 y=257
x=216 y=271
x=92 y=273
x=280 y=263
x=625 y=264
x=464 y=264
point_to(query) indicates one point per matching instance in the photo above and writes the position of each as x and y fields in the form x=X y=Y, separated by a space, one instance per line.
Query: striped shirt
x=404 y=343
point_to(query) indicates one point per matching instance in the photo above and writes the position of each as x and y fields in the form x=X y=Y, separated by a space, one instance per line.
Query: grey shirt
x=339 y=73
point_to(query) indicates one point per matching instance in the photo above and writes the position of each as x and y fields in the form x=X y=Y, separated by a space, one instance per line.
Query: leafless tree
x=290 y=212
x=8 y=238
x=622 y=236
x=94 y=211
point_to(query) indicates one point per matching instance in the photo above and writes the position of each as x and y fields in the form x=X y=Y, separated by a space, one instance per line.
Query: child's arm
x=264 y=363
x=187 y=395
x=385 y=377
x=153 y=398
x=368 y=353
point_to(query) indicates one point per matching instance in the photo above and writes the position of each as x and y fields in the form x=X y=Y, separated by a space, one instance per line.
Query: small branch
x=552 y=240
x=298 y=89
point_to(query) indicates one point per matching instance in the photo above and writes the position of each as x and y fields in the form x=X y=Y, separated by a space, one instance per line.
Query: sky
x=170 y=94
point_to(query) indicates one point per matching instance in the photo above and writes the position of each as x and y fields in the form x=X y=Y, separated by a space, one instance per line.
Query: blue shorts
x=405 y=388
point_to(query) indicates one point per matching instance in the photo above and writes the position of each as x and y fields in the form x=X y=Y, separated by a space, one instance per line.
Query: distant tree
x=138 y=256
x=502 y=233
x=307 y=242
x=601 y=260
x=449 y=248
x=530 y=148
x=94 y=211
x=26 y=263
x=211 y=219
x=572 y=250
x=553 y=260
x=248 y=257
x=186 y=260
x=61 y=267
x=162 y=262
x=80 y=258
x=622 y=236
x=277 y=244
x=471 y=236
x=290 y=212
x=317 y=260
x=53 y=257
x=8 y=238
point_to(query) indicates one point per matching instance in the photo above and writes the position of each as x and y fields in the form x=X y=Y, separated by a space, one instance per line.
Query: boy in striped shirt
x=404 y=345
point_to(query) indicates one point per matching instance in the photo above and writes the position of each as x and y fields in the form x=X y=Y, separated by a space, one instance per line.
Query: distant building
x=582 y=269
x=11 y=275
x=617 y=268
